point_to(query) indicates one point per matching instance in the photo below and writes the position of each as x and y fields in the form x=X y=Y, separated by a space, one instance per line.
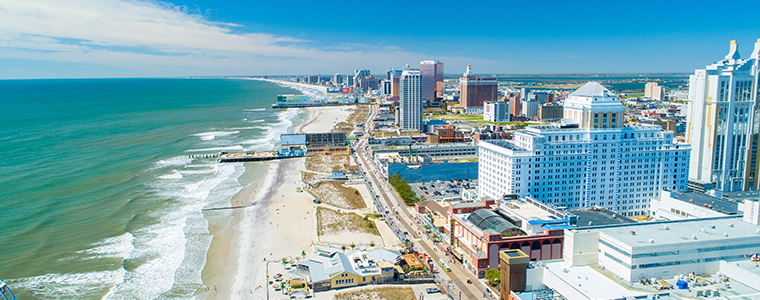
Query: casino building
x=588 y=159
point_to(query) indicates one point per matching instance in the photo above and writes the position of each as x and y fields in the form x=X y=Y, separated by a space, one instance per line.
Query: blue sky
x=139 y=38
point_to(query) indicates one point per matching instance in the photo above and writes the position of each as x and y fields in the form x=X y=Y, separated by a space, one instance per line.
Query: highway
x=401 y=220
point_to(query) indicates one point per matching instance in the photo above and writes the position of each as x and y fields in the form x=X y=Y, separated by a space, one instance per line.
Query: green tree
x=493 y=276
x=403 y=189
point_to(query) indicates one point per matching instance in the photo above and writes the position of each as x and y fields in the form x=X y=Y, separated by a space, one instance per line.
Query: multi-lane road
x=400 y=218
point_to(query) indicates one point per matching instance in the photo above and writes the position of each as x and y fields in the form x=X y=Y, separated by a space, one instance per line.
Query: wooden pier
x=225 y=157
x=258 y=156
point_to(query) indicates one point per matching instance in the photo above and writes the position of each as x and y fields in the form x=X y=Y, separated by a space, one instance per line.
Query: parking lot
x=443 y=190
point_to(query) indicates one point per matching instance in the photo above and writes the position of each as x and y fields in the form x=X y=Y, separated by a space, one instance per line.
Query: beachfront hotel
x=722 y=122
x=589 y=159
x=410 y=98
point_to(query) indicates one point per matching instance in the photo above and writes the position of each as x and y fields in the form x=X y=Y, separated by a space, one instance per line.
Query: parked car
x=432 y=290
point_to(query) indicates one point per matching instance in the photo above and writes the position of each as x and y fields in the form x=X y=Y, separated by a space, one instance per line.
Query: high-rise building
x=349 y=80
x=386 y=87
x=432 y=79
x=393 y=75
x=654 y=91
x=393 y=72
x=337 y=79
x=496 y=111
x=369 y=83
x=361 y=73
x=514 y=106
x=410 y=100
x=723 y=124
x=473 y=91
x=313 y=79
x=529 y=108
x=550 y=111
x=589 y=161
x=395 y=86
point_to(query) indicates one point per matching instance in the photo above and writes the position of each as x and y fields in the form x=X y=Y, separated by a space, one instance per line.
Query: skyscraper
x=395 y=86
x=359 y=74
x=410 y=98
x=394 y=75
x=432 y=79
x=723 y=122
x=337 y=79
x=473 y=91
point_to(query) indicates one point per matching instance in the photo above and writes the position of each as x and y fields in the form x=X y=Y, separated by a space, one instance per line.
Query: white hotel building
x=723 y=122
x=588 y=160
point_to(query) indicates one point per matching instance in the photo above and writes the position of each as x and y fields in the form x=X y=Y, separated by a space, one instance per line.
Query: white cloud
x=161 y=39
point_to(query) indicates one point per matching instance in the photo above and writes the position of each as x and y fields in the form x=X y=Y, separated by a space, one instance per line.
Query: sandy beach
x=278 y=223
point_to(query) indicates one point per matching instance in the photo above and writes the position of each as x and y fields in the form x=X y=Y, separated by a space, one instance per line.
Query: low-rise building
x=479 y=230
x=702 y=258
x=663 y=249
x=672 y=205
x=446 y=134
x=330 y=268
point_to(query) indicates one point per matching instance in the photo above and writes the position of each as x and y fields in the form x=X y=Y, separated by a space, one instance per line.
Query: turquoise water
x=98 y=194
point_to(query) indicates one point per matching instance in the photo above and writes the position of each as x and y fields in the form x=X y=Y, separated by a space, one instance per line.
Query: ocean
x=99 y=197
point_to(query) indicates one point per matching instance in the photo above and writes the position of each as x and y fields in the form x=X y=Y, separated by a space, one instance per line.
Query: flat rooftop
x=468 y=204
x=506 y=144
x=699 y=199
x=526 y=210
x=587 y=280
x=587 y=218
x=677 y=232
x=741 y=195
x=435 y=206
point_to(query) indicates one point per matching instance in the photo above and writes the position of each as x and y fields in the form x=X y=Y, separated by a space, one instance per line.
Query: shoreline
x=235 y=265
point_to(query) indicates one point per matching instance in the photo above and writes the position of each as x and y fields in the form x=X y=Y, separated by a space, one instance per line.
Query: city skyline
x=132 y=38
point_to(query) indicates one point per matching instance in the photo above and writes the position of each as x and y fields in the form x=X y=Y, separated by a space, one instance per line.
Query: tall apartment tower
x=410 y=100
x=473 y=91
x=337 y=79
x=432 y=79
x=723 y=124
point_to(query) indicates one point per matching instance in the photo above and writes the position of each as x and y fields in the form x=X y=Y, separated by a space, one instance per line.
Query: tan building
x=654 y=91
x=473 y=91
x=395 y=84
x=513 y=266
